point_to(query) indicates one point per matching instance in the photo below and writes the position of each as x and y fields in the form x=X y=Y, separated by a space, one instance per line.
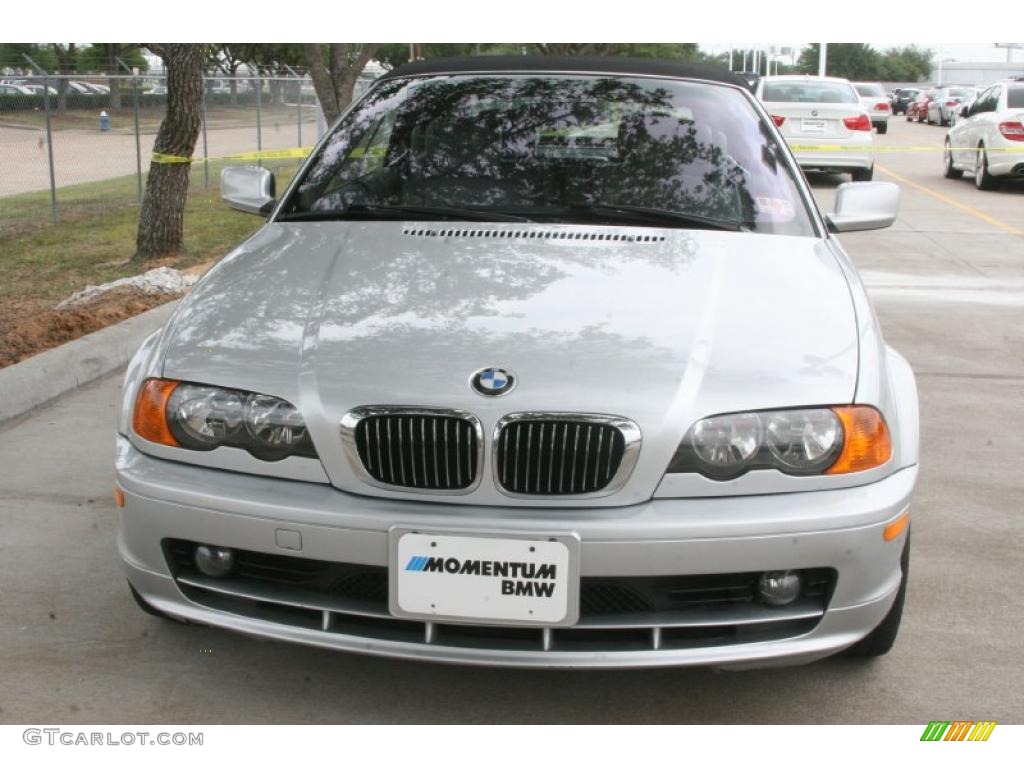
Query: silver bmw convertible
x=537 y=362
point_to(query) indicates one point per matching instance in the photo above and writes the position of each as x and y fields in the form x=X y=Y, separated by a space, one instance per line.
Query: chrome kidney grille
x=563 y=454
x=421 y=449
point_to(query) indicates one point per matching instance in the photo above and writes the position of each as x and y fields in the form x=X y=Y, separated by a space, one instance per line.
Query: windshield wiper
x=368 y=211
x=643 y=215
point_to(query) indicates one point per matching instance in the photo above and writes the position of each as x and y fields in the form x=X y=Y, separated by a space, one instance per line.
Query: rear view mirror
x=965 y=110
x=248 y=188
x=864 y=205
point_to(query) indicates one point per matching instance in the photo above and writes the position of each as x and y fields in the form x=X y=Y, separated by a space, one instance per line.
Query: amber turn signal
x=896 y=527
x=150 y=418
x=866 y=442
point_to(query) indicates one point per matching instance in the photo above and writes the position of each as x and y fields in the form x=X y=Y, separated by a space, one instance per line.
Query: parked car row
x=939 y=106
x=30 y=88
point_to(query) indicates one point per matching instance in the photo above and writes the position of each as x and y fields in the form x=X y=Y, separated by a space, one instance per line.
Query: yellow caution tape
x=266 y=154
x=159 y=157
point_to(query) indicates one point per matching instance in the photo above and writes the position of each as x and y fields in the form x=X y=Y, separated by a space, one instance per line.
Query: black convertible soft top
x=603 y=64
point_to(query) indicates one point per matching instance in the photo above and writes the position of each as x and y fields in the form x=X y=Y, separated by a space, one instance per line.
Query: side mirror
x=965 y=110
x=864 y=205
x=248 y=188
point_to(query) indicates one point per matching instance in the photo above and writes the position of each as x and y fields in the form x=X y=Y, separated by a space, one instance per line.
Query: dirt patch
x=24 y=336
x=30 y=326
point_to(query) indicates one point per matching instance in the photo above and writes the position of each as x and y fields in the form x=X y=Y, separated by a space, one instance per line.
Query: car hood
x=662 y=326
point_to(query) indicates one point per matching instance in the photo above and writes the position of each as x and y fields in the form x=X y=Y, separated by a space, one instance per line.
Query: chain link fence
x=77 y=145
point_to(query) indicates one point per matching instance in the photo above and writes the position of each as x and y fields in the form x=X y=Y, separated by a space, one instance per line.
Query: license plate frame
x=443 y=597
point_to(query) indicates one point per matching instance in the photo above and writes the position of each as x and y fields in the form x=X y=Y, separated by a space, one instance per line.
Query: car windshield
x=813 y=92
x=1015 y=97
x=865 y=89
x=563 y=148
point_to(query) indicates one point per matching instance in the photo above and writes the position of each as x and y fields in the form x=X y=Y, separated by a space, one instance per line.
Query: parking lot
x=948 y=282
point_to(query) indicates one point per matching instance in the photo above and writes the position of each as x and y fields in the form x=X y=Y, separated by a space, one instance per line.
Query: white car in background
x=824 y=122
x=876 y=102
x=988 y=138
x=9 y=89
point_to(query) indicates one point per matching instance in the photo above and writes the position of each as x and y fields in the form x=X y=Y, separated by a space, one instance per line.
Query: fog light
x=214 y=561
x=779 y=588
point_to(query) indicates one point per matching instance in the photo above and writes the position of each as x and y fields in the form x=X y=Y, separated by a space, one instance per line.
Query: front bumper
x=840 y=159
x=840 y=529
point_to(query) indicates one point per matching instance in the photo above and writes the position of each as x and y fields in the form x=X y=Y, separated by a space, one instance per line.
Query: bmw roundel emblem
x=493 y=381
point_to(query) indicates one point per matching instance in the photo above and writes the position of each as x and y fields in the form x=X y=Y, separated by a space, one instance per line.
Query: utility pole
x=822 y=57
x=730 y=58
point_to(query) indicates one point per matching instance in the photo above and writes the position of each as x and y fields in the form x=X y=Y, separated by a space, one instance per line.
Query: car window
x=540 y=145
x=989 y=100
x=866 y=89
x=814 y=92
x=1015 y=97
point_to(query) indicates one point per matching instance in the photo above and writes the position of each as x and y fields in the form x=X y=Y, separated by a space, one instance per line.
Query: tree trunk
x=161 y=221
x=334 y=80
x=114 y=83
x=66 y=66
x=62 y=96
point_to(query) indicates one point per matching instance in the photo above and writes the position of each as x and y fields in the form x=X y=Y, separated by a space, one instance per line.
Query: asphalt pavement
x=948 y=283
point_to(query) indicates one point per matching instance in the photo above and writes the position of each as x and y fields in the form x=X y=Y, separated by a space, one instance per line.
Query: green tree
x=12 y=57
x=907 y=65
x=103 y=57
x=393 y=55
x=854 y=61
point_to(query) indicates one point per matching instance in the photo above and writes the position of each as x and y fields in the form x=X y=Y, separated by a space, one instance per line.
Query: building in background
x=952 y=72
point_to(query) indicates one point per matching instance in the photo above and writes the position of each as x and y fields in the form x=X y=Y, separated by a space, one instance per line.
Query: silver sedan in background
x=942 y=110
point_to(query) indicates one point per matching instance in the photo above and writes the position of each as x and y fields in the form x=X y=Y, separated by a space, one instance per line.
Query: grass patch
x=95 y=237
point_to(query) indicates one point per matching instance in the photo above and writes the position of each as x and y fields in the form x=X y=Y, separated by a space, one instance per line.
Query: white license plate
x=484 y=579
x=813 y=126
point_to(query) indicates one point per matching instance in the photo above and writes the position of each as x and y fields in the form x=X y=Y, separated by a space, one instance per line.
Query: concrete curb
x=39 y=380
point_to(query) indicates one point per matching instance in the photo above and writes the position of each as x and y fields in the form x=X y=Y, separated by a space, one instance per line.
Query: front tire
x=951 y=172
x=883 y=637
x=983 y=180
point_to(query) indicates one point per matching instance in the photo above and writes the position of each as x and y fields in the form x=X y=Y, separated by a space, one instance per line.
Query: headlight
x=202 y=418
x=805 y=441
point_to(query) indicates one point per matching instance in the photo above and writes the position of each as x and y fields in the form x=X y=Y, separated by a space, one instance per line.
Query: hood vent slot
x=598 y=236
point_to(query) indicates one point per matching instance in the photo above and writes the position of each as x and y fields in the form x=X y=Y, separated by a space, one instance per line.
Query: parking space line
x=954 y=203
